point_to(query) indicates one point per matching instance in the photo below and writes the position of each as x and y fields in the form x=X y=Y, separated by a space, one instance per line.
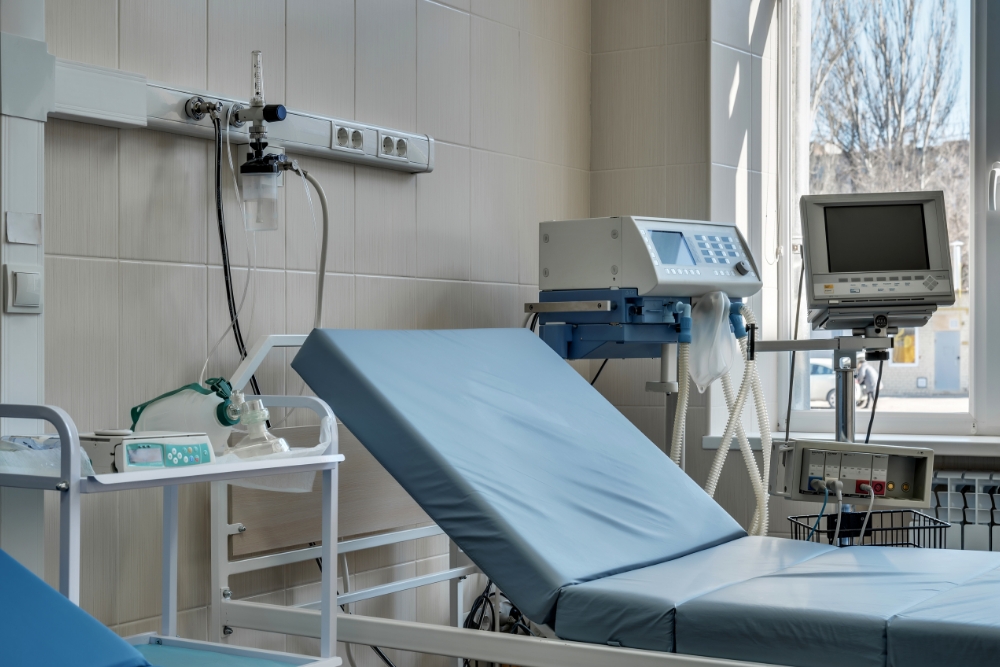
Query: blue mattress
x=958 y=627
x=38 y=626
x=587 y=526
x=832 y=610
x=636 y=609
x=539 y=479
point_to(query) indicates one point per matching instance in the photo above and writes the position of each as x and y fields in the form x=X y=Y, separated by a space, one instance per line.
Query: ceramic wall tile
x=385 y=227
x=237 y=28
x=494 y=86
x=566 y=22
x=165 y=344
x=83 y=318
x=619 y=25
x=81 y=189
x=167 y=41
x=319 y=37
x=395 y=303
x=163 y=190
x=443 y=72
x=386 y=50
x=686 y=190
x=301 y=236
x=687 y=21
x=504 y=11
x=729 y=105
x=628 y=192
x=139 y=554
x=496 y=306
x=685 y=85
x=494 y=249
x=627 y=135
x=262 y=314
x=443 y=216
x=730 y=23
x=86 y=32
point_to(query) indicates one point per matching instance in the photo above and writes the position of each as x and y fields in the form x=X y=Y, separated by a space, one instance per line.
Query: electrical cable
x=871 y=503
x=350 y=656
x=840 y=516
x=826 y=495
x=795 y=336
x=598 y=374
x=234 y=311
x=878 y=387
x=321 y=269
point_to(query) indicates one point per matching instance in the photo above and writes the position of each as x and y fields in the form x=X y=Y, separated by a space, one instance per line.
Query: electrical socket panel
x=900 y=477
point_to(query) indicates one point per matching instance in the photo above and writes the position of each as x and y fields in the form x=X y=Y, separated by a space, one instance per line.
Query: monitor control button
x=742 y=268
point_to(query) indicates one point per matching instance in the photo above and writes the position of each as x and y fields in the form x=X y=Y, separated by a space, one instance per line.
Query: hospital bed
x=588 y=528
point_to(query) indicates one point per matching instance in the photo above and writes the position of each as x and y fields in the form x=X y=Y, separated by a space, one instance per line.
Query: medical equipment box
x=124 y=451
x=655 y=256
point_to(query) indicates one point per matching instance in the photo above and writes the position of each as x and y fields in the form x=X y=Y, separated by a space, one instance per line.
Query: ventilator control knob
x=742 y=267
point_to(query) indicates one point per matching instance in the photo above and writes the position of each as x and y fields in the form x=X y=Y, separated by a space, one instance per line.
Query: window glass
x=889 y=105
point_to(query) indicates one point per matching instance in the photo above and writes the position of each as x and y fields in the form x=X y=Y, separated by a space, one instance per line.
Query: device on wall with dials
x=876 y=259
x=124 y=451
x=655 y=256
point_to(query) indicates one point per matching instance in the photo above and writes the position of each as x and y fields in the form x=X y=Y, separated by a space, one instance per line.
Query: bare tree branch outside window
x=885 y=80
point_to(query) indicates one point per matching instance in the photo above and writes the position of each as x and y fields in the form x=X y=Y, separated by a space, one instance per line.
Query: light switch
x=24 y=288
x=27 y=289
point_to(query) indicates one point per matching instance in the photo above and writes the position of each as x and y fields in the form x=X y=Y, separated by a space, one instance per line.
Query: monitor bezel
x=813 y=210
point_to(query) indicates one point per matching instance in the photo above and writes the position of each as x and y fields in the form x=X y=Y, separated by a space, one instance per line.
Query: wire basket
x=886 y=528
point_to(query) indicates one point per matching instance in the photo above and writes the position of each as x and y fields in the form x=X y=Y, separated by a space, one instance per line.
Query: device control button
x=185 y=459
x=742 y=268
x=699 y=237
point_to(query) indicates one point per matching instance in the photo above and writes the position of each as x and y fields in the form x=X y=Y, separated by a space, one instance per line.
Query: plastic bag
x=192 y=408
x=41 y=455
x=712 y=342
x=292 y=482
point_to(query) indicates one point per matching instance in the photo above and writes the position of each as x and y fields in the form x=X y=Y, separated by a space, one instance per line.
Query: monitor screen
x=672 y=248
x=876 y=238
x=144 y=454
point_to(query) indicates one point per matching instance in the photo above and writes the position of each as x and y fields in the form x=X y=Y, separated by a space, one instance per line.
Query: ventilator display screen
x=862 y=239
x=672 y=248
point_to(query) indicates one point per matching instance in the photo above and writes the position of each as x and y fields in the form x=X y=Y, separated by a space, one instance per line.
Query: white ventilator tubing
x=680 y=412
x=758 y=479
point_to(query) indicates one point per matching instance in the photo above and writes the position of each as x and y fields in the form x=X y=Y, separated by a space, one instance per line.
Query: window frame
x=984 y=142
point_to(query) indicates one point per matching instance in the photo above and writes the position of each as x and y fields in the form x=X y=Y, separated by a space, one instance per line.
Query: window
x=885 y=106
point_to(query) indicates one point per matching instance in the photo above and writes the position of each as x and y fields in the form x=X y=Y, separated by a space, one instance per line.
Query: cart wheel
x=831 y=398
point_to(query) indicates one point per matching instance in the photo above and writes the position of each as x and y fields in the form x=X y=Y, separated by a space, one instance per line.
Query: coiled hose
x=749 y=385
x=683 y=392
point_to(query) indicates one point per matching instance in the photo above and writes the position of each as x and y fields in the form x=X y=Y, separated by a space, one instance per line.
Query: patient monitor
x=876 y=259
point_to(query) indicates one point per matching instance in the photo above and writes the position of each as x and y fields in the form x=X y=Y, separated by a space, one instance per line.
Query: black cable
x=378 y=651
x=795 y=336
x=598 y=374
x=534 y=322
x=878 y=386
x=224 y=248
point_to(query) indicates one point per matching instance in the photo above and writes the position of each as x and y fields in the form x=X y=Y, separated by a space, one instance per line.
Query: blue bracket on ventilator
x=633 y=327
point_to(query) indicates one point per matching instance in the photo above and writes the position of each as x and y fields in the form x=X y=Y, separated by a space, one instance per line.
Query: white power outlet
x=349 y=138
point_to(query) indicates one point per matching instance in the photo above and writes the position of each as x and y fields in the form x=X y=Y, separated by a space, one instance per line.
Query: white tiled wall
x=683 y=104
x=134 y=286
